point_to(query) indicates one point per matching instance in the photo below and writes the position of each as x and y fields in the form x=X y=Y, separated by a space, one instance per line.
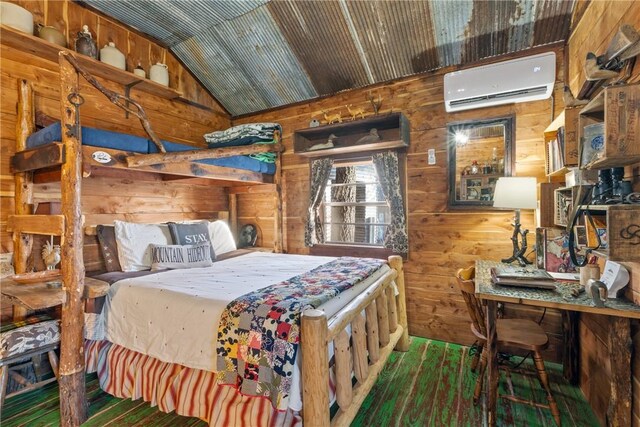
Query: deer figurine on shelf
x=332 y=118
x=51 y=255
x=355 y=112
x=375 y=103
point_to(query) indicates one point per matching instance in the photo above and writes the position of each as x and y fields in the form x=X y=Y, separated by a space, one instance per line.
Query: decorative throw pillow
x=221 y=237
x=108 y=247
x=134 y=243
x=194 y=233
x=180 y=256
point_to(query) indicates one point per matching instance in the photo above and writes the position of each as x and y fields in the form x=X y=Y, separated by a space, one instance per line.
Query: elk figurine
x=355 y=112
x=332 y=118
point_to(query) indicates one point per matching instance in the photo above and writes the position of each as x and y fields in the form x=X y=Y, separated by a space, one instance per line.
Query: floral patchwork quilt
x=259 y=333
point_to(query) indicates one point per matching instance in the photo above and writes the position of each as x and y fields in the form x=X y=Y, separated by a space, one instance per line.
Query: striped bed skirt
x=190 y=392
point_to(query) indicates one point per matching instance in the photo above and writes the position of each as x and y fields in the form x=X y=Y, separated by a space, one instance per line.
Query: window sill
x=350 y=250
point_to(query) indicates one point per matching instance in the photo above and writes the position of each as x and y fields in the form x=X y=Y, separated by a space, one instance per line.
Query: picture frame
x=557 y=258
x=580 y=235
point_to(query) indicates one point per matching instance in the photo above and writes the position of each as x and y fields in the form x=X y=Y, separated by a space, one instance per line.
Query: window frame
x=363 y=250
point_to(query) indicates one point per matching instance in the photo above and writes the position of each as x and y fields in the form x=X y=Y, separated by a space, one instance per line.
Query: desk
x=38 y=296
x=620 y=310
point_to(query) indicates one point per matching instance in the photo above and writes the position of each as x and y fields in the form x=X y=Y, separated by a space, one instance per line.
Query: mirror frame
x=509 y=156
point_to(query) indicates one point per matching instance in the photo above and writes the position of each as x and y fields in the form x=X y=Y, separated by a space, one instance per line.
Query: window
x=354 y=210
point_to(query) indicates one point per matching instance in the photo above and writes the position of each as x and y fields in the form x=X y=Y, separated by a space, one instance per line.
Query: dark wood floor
x=430 y=385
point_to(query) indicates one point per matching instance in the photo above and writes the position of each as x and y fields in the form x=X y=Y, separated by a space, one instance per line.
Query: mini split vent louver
x=519 y=80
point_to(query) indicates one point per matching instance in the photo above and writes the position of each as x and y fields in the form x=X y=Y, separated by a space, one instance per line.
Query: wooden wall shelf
x=49 y=51
x=393 y=130
x=616 y=108
x=568 y=151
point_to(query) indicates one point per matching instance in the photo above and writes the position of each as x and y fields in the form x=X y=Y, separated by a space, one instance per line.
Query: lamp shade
x=515 y=192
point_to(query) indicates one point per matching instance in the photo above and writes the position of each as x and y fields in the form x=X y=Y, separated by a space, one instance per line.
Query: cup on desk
x=588 y=272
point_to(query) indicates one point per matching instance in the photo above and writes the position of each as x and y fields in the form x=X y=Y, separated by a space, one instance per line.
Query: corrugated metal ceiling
x=258 y=54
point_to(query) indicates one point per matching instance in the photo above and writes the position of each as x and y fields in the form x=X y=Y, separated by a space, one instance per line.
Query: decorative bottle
x=85 y=44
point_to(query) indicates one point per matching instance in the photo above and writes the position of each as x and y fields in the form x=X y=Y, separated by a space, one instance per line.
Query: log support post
x=359 y=337
x=25 y=126
x=395 y=261
x=383 y=319
x=373 y=338
x=278 y=222
x=73 y=403
x=571 y=353
x=315 y=368
x=233 y=214
x=620 y=345
x=343 y=363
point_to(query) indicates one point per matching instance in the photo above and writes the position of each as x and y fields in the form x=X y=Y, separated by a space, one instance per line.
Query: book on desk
x=524 y=277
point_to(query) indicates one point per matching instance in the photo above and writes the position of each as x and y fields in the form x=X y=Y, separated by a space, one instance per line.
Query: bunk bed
x=363 y=331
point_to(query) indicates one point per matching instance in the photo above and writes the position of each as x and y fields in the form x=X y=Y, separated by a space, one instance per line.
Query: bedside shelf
x=49 y=51
x=393 y=130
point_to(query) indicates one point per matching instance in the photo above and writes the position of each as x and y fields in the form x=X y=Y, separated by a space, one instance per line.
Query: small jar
x=139 y=71
x=159 y=73
x=110 y=54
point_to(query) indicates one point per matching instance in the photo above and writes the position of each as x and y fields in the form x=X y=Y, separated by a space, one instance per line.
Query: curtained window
x=361 y=204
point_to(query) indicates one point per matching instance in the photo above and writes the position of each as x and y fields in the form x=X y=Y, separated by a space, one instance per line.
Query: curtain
x=320 y=171
x=386 y=165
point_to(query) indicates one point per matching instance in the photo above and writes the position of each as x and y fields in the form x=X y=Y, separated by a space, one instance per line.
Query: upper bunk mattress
x=137 y=144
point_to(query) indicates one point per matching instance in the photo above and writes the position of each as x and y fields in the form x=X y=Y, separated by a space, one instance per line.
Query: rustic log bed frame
x=375 y=334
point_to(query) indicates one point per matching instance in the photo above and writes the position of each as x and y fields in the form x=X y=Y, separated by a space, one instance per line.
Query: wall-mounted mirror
x=480 y=151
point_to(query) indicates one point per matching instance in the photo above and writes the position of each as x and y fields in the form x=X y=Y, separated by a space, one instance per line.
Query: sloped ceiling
x=254 y=55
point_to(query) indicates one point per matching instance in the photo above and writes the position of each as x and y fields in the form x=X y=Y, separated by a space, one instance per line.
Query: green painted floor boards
x=430 y=385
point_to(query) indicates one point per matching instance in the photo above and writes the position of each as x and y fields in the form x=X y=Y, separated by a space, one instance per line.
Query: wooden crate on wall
x=617 y=108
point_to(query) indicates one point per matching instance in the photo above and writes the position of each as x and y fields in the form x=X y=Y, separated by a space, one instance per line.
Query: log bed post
x=364 y=355
x=395 y=261
x=73 y=404
x=25 y=125
x=315 y=368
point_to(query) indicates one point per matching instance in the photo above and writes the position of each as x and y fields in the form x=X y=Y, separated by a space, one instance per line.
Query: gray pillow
x=180 y=256
x=194 y=233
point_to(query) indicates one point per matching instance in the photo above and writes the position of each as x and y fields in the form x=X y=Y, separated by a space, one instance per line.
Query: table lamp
x=516 y=193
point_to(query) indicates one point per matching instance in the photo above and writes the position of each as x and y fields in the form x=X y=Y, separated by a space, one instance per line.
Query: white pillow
x=134 y=243
x=221 y=237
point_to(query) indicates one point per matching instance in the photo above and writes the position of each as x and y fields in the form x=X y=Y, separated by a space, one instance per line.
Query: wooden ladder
x=68 y=225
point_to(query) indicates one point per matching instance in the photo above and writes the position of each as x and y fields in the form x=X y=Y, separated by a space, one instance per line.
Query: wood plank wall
x=596 y=24
x=69 y=17
x=441 y=240
x=109 y=195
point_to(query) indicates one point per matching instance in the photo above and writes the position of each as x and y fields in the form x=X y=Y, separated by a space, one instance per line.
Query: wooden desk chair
x=515 y=333
x=21 y=340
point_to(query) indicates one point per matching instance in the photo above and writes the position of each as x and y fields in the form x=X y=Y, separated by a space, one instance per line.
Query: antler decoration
x=117 y=99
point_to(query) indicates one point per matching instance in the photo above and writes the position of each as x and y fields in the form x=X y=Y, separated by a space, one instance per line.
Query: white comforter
x=174 y=315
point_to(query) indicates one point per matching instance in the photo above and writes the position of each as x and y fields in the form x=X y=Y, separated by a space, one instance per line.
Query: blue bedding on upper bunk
x=121 y=141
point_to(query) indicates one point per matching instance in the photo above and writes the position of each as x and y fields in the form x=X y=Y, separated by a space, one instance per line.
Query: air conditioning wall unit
x=524 y=79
